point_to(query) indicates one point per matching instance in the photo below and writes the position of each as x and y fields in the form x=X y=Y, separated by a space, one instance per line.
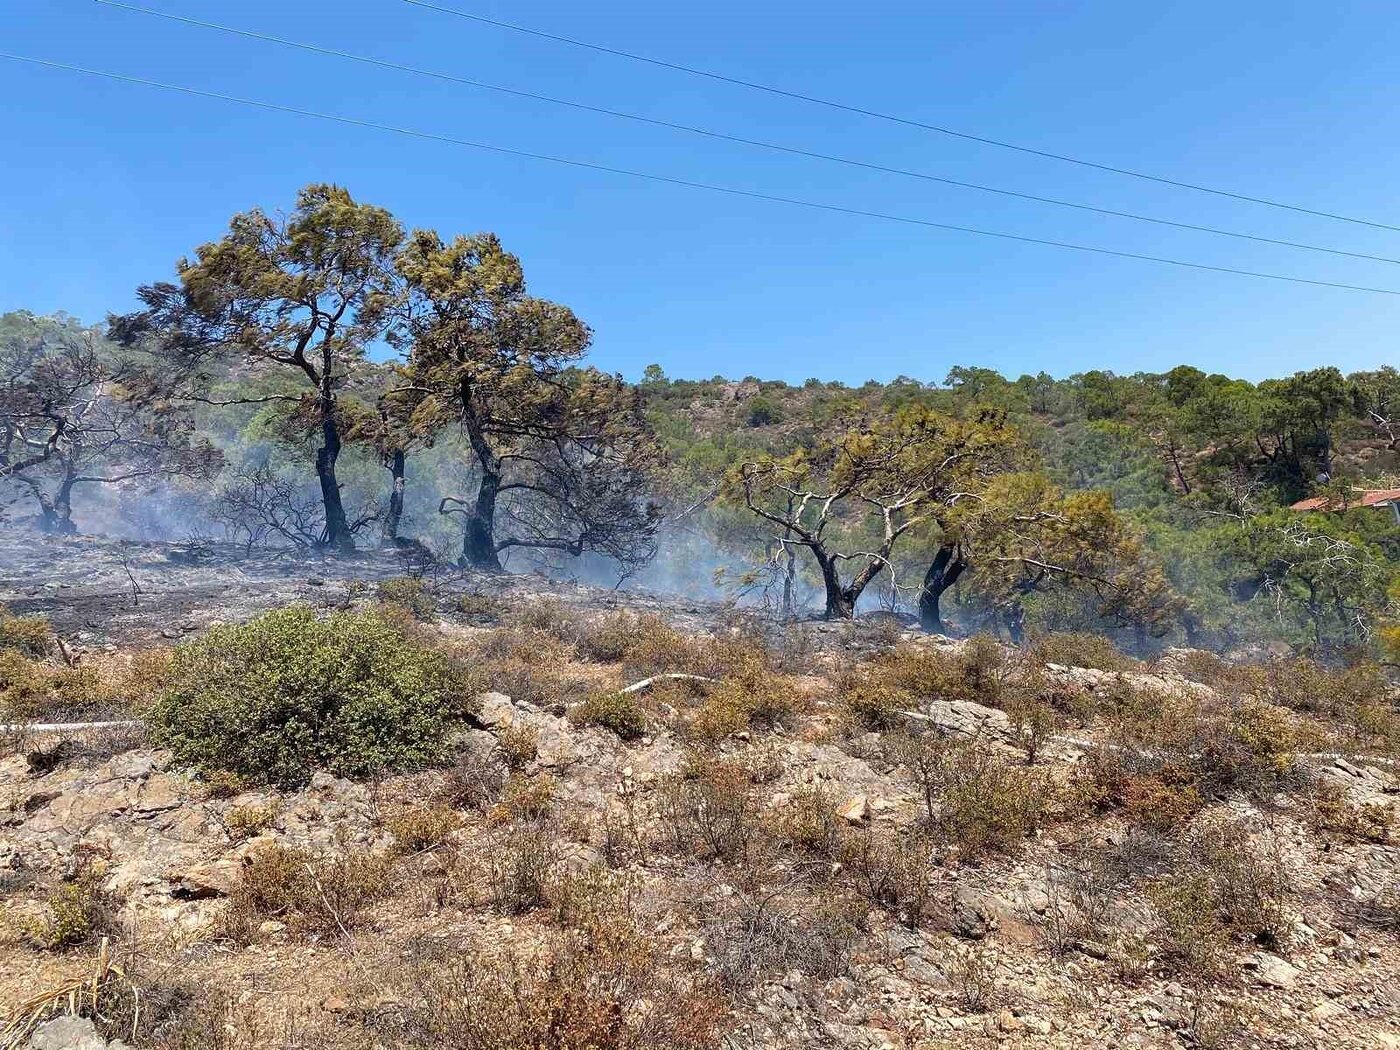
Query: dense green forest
x=324 y=381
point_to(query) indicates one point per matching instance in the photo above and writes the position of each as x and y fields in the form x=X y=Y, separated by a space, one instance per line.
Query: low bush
x=893 y=871
x=643 y=642
x=525 y=798
x=810 y=823
x=26 y=635
x=410 y=594
x=909 y=675
x=749 y=696
x=1082 y=649
x=1331 y=812
x=243 y=822
x=478 y=606
x=549 y=616
x=619 y=712
x=1224 y=886
x=708 y=810
x=32 y=688
x=610 y=989
x=419 y=828
x=749 y=938
x=315 y=893
x=530 y=665
x=973 y=800
x=521 y=867
x=70 y=916
x=285 y=694
x=475 y=780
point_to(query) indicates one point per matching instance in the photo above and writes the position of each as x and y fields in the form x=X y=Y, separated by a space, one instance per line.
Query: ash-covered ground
x=98 y=591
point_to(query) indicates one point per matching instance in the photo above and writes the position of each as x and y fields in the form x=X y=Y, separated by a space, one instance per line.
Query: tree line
x=300 y=356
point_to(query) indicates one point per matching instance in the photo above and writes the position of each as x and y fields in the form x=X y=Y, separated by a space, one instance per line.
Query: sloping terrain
x=845 y=836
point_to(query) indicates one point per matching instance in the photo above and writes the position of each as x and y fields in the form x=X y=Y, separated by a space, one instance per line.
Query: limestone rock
x=1273 y=971
x=965 y=718
x=496 y=710
x=855 y=810
x=71 y=1033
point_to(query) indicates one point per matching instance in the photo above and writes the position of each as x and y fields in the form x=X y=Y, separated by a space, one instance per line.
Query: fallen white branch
x=646 y=683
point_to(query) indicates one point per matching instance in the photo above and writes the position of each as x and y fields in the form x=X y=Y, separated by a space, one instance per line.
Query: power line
x=723 y=136
x=891 y=117
x=732 y=191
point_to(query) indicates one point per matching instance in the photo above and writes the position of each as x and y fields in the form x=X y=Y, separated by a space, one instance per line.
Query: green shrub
x=68 y=919
x=616 y=711
x=30 y=635
x=410 y=594
x=286 y=694
x=1082 y=649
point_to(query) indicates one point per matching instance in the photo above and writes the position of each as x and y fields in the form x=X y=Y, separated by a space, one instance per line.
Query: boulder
x=71 y=1033
x=965 y=718
x=496 y=710
x=1273 y=971
x=855 y=810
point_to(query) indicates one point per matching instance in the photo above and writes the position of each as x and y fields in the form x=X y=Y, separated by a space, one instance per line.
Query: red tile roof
x=1366 y=498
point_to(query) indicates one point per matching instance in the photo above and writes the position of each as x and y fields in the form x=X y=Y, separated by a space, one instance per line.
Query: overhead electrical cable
x=726 y=137
x=732 y=191
x=892 y=117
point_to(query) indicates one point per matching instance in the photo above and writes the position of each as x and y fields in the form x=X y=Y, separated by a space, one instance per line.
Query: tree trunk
x=338 y=537
x=840 y=605
x=789 y=584
x=840 y=602
x=63 y=505
x=56 y=512
x=1014 y=616
x=389 y=530
x=942 y=574
x=479 y=541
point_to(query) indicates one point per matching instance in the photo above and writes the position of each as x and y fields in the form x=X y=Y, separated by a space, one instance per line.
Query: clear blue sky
x=105 y=185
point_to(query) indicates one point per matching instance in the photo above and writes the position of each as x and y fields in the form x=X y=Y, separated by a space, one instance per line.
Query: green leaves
x=277 y=698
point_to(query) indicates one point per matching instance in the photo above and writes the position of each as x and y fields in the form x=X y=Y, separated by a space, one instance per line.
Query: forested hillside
x=325 y=380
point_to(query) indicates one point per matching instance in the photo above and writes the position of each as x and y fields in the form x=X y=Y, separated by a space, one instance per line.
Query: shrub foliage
x=286 y=694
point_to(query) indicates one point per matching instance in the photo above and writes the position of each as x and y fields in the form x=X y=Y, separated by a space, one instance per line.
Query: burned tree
x=867 y=491
x=562 y=454
x=292 y=302
x=392 y=429
x=76 y=412
x=1020 y=535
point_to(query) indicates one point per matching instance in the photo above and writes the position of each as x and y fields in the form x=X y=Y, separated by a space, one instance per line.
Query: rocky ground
x=999 y=953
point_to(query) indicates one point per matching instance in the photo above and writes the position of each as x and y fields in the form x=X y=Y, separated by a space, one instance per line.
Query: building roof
x=1363 y=498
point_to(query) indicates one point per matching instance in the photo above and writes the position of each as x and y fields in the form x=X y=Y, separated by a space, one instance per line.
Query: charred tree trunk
x=789 y=584
x=389 y=530
x=1014 y=616
x=338 y=537
x=63 y=505
x=56 y=511
x=942 y=574
x=840 y=601
x=479 y=541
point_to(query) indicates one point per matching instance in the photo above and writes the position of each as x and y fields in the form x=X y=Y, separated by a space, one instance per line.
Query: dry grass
x=106 y=989
x=419 y=828
x=314 y=893
x=974 y=801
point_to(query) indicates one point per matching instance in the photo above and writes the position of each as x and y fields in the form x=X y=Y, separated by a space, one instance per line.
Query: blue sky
x=105 y=185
